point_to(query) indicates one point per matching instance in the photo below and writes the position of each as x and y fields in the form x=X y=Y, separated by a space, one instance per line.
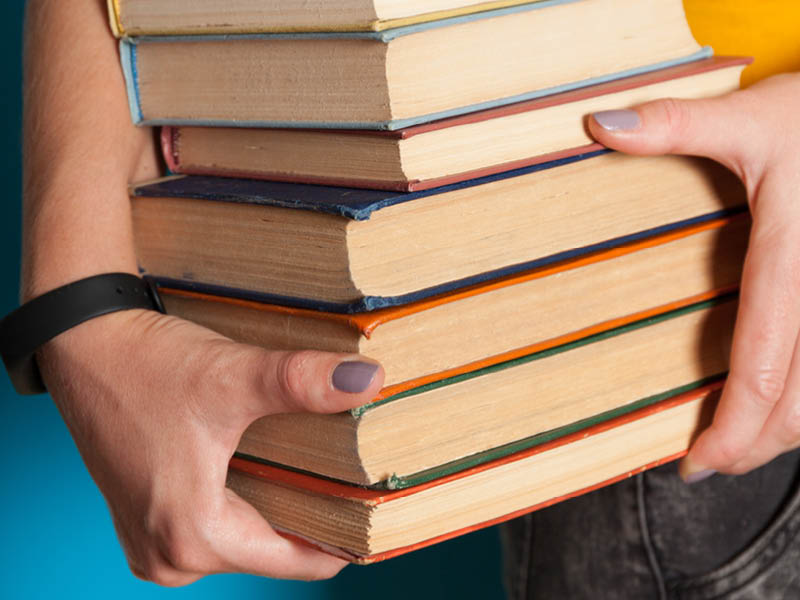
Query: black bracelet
x=43 y=318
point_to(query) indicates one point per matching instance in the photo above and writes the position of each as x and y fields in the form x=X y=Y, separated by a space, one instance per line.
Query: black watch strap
x=48 y=315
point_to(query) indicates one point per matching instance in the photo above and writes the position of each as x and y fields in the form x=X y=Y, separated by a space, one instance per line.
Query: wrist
x=41 y=277
x=47 y=316
x=80 y=350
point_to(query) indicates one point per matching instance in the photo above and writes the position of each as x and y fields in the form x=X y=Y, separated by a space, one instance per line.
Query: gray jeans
x=652 y=536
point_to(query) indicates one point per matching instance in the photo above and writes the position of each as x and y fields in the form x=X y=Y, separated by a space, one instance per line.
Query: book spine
x=127 y=54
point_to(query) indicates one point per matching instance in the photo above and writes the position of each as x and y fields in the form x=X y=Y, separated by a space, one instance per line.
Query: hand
x=755 y=133
x=157 y=405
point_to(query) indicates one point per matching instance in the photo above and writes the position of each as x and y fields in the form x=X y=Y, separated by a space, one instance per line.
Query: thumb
x=719 y=128
x=306 y=381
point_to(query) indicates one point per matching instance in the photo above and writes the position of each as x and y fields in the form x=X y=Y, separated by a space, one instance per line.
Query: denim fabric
x=652 y=536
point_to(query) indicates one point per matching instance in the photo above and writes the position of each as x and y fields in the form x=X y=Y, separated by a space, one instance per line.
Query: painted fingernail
x=692 y=472
x=699 y=476
x=353 y=376
x=618 y=120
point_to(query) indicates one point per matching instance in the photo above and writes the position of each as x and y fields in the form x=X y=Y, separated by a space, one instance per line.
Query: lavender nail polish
x=618 y=120
x=699 y=476
x=353 y=376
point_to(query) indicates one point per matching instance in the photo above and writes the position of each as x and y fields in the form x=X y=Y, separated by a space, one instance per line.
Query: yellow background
x=768 y=30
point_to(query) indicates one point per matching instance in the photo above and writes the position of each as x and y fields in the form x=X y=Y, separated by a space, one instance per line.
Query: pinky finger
x=250 y=545
x=781 y=432
x=160 y=572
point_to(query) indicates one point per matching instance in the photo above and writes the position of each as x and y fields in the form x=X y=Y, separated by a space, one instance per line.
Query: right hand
x=755 y=133
x=157 y=405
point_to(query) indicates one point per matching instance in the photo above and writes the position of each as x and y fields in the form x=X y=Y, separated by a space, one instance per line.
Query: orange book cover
x=365 y=324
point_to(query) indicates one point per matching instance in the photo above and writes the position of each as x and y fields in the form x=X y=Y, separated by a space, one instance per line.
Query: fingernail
x=618 y=120
x=699 y=476
x=353 y=376
x=692 y=473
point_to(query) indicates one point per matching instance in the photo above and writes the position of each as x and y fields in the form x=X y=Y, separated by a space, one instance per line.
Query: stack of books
x=372 y=177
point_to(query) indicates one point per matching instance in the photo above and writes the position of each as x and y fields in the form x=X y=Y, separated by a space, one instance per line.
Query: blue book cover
x=359 y=205
x=308 y=99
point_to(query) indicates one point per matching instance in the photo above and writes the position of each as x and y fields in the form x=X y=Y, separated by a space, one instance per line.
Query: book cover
x=360 y=205
x=128 y=55
x=397 y=440
x=372 y=303
x=365 y=324
x=170 y=136
x=357 y=204
x=691 y=409
x=531 y=354
x=310 y=20
x=487 y=98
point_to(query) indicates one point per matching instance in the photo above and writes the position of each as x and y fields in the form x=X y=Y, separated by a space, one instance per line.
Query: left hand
x=756 y=134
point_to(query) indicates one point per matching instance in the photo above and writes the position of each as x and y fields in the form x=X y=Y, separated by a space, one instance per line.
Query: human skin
x=156 y=405
x=756 y=134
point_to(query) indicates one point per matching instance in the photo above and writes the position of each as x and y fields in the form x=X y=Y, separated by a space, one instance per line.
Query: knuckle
x=183 y=557
x=677 y=115
x=140 y=571
x=181 y=544
x=294 y=374
x=765 y=388
x=212 y=372
x=741 y=468
x=158 y=572
x=730 y=450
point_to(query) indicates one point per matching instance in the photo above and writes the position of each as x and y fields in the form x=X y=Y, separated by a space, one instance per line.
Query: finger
x=717 y=128
x=223 y=534
x=164 y=574
x=781 y=432
x=250 y=545
x=305 y=381
x=764 y=340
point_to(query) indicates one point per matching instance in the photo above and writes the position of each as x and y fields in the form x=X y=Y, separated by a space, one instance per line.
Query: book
x=403 y=76
x=424 y=341
x=171 y=17
x=345 y=249
x=435 y=154
x=389 y=441
x=365 y=526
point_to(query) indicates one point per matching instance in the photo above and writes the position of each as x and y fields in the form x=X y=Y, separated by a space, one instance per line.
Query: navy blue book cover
x=359 y=204
x=353 y=203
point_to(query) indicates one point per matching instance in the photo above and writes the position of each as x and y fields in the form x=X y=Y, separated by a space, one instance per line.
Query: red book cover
x=694 y=409
x=172 y=138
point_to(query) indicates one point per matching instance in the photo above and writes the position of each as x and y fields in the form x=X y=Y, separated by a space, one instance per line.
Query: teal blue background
x=56 y=537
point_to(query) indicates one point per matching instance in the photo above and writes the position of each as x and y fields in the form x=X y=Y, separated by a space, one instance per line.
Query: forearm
x=140 y=391
x=81 y=149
